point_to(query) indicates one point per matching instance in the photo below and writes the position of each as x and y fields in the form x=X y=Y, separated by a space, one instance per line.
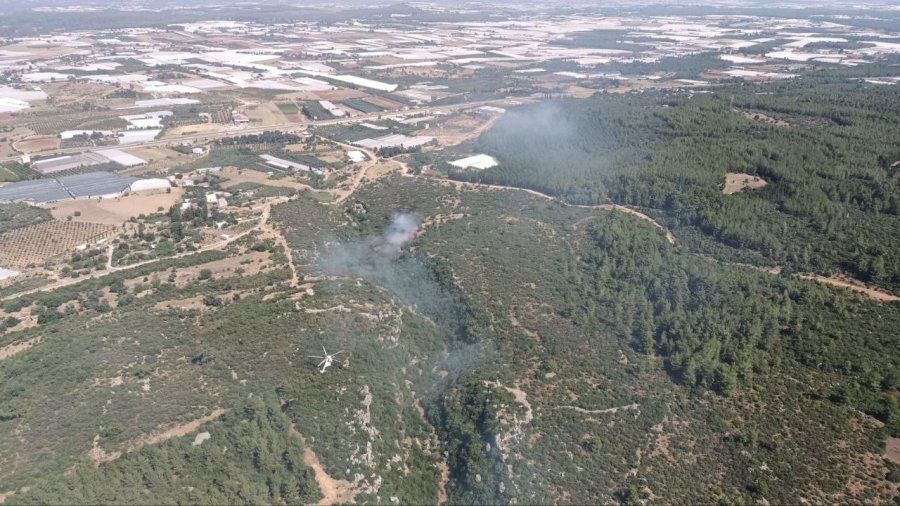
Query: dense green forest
x=250 y=458
x=833 y=199
x=554 y=358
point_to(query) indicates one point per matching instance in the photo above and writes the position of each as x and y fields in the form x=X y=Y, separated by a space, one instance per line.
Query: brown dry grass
x=384 y=102
x=737 y=181
x=33 y=145
x=265 y=114
x=237 y=176
x=115 y=211
x=580 y=92
x=892 y=450
x=758 y=116
x=253 y=263
x=203 y=128
x=338 y=95
x=41 y=52
x=37 y=243
x=459 y=129
x=16 y=348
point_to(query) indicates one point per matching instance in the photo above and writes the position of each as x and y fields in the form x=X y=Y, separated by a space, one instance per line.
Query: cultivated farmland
x=37 y=243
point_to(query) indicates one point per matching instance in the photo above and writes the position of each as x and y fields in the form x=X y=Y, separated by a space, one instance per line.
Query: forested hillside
x=832 y=203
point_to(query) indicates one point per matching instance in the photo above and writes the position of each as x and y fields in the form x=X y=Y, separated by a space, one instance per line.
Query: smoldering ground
x=385 y=260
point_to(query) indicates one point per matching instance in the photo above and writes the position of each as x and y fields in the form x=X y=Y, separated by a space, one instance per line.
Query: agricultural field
x=14 y=171
x=35 y=244
x=37 y=144
x=14 y=216
x=288 y=108
x=115 y=211
x=363 y=106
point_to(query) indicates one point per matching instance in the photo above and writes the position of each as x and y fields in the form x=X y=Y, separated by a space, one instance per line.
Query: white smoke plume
x=402 y=229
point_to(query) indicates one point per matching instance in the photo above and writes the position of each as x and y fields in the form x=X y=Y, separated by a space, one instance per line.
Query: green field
x=288 y=108
x=14 y=171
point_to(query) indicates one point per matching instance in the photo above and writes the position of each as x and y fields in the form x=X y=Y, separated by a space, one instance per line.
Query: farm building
x=151 y=184
x=489 y=109
x=122 y=158
x=69 y=162
x=71 y=134
x=475 y=162
x=356 y=156
x=285 y=164
x=95 y=185
x=38 y=191
x=239 y=119
x=365 y=83
x=133 y=136
x=394 y=140
x=146 y=120
x=80 y=186
x=334 y=110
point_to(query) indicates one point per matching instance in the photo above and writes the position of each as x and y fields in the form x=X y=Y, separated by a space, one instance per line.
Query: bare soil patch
x=385 y=103
x=852 y=284
x=115 y=211
x=737 y=181
x=892 y=450
x=16 y=348
x=176 y=431
x=758 y=116
x=36 y=144
x=459 y=129
x=580 y=92
x=342 y=94
x=191 y=303
x=333 y=491
x=266 y=114
x=202 y=128
x=237 y=176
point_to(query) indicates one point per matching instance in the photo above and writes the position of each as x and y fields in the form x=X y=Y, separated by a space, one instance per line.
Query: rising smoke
x=375 y=258
x=383 y=260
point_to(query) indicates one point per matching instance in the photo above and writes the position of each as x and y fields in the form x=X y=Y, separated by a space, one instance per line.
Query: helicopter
x=327 y=359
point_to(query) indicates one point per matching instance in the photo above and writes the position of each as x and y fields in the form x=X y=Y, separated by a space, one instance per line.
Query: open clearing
x=37 y=243
x=265 y=114
x=737 y=181
x=115 y=211
x=892 y=450
x=237 y=176
x=176 y=431
x=37 y=144
x=16 y=348
x=382 y=102
x=459 y=129
x=758 y=116
x=202 y=128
